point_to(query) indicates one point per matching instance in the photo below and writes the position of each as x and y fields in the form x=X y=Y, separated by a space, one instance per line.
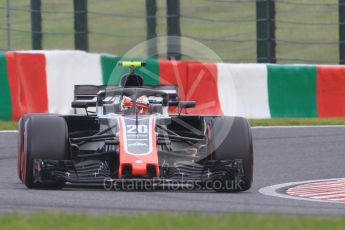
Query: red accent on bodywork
x=138 y=163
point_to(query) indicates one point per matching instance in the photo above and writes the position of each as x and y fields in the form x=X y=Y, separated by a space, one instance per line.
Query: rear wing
x=86 y=95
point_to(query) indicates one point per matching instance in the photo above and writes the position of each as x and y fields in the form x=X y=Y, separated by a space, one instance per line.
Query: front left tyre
x=232 y=139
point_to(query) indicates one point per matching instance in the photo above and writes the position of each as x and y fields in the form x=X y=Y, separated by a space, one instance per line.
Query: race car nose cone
x=139 y=169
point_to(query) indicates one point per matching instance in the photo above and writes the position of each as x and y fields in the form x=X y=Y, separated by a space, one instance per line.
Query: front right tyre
x=44 y=137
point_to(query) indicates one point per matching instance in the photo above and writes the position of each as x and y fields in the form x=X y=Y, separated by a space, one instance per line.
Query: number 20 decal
x=133 y=129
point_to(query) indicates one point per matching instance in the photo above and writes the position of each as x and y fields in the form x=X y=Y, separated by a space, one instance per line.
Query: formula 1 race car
x=130 y=141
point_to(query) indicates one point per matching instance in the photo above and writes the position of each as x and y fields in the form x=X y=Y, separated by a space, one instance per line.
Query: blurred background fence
x=280 y=31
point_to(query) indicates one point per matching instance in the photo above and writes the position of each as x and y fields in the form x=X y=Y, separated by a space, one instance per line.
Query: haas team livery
x=124 y=133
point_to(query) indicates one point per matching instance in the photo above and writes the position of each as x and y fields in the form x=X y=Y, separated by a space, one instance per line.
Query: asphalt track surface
x=282 y=155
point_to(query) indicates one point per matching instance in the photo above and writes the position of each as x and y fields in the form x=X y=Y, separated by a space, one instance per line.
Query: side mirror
x=173 y=103
x=187 y=104
x=83 y=104
x=182 y=104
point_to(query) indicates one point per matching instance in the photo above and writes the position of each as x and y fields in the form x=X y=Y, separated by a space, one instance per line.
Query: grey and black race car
x=130 y=141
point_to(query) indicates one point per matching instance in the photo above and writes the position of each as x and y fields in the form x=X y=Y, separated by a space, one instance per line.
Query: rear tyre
x=45 y=137
x=231 y=139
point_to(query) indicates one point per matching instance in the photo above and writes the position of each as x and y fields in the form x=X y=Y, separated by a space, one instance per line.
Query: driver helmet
x=143 y=104
x=126 y=103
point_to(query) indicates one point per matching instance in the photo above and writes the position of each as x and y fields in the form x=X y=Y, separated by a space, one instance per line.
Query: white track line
x=312 y=195
x=272 y=191
x=311 y=189
x=8 y=131
x=331 y=196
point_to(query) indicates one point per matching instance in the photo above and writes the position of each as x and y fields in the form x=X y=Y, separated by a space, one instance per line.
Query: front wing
x=180 y=175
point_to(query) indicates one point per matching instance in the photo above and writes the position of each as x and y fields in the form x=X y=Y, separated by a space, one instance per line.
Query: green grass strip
x=8 y=125
x=53 y=221
x=296 y=121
